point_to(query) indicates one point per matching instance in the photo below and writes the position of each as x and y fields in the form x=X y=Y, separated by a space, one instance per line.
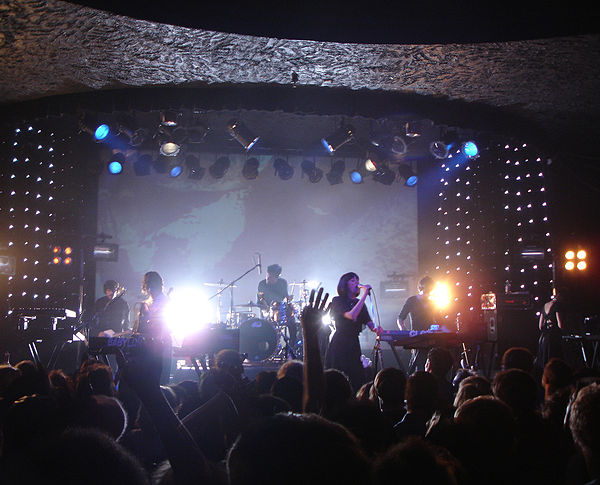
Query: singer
x=349 y=314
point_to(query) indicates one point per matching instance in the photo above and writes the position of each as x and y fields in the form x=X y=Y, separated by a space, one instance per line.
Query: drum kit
x=269 y=333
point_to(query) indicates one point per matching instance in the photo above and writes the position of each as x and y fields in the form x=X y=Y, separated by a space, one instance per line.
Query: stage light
x=195 y=171
x=581 y=254
x=250 y=170
x=197 y=133
x=67 y=261
x=176 y=170
x=171 y=140
x=398 y=146
x=242 y=134
x=56 y=249
x=313 y=173
x=68 y=250
x=116 y=163
x=409 y=176
x=283 y=169
x=136 y=138
x=187 y=311
x=356 y=177
x=581 y=265
x=372 y=161
x=438 y=149
x=335 y=175
x=142 y=165
x=569 y=265
x=337 y=139
x=56 y=260
x=101 y=132
x=440 y=295
x=470 y=149
x=570 y=254
x=384 y=175
x=218 y=169
x=416 y=128
x=169 y=118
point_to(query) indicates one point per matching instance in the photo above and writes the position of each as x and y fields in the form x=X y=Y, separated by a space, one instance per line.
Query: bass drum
x=258 y=339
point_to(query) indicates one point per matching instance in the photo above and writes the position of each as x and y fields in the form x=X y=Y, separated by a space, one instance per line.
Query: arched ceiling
x=55 y=49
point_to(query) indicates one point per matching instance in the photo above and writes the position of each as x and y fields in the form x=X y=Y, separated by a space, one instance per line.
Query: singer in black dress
x=350 y=315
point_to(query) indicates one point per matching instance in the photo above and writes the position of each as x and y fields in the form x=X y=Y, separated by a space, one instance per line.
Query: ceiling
x=515 y=68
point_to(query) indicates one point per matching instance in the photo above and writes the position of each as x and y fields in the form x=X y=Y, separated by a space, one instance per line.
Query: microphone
x=363 y=286
x=259 y=264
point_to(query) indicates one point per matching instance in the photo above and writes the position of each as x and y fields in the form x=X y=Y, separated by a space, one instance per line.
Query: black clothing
x=152 y=323
x=110 y=314
x=422 y=315
x=275 y=292
x=421 y=310
x=151 y=320
x=344 y=349
x=550 y=342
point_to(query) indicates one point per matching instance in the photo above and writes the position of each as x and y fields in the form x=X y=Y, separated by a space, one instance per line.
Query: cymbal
x=219 y=285
x=247 y=305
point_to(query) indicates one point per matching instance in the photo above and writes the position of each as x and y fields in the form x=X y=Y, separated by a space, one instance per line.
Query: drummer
x=274 y=290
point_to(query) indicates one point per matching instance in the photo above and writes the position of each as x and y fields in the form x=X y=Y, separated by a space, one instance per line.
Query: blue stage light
x=470 y=149
x=175 y=171
x=115 y=167
x=116 y=163
x=407 y=173
x=412 y=181
x=356 y=177
x=101 y=132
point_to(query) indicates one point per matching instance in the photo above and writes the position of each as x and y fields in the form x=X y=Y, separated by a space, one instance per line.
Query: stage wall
x=197 y=232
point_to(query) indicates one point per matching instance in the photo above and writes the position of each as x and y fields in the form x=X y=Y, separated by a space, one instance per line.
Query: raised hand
x=312 y=314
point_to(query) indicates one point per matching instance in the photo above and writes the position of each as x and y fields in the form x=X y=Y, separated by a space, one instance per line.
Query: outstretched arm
x=142 y=374
x=314 y=379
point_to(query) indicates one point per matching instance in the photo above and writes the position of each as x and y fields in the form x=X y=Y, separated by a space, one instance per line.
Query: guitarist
x=111 y=312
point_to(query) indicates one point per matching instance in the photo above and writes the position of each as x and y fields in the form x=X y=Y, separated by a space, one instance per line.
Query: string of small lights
x=492 y=226
x=41 y=216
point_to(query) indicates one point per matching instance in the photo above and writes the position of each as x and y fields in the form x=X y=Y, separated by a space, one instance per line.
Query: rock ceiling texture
x=54 y=48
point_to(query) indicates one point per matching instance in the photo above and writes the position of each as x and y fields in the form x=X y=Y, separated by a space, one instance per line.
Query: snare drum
x=258 y=339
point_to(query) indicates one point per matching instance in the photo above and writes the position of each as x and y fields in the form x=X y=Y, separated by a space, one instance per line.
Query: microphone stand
x=230 y=285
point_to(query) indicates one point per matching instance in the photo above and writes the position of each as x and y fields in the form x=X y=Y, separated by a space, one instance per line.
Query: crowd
x=300 y=425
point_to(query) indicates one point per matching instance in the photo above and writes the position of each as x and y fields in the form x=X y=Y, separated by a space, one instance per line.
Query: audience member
x=584 y=423
x=421 y=402
x=390 y=387
x=518 y=358
x=440 y=362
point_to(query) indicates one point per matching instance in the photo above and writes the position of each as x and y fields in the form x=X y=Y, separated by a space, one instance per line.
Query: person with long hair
x=350 y=315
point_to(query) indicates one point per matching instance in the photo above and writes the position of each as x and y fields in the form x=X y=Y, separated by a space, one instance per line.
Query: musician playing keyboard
x=422 y=314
